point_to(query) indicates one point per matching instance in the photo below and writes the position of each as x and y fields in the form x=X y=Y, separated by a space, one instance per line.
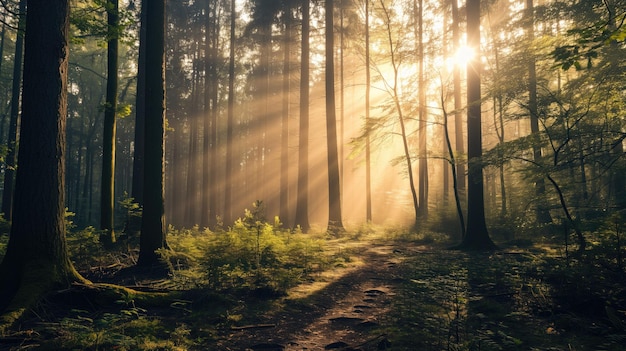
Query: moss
x=38 y=278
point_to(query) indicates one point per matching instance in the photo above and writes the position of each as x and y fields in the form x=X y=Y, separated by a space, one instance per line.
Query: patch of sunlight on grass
x=324 y=279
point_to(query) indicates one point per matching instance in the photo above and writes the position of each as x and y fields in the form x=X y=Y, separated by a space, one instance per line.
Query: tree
x=36 y=259
x=476 y=236
x=458 y=103
x=368 y=156
x=230 y=119
x=140 y=111
x=302 y=203
x=284 y=135
x=107 y=193
x=334 y=183
x=153 y=229
x=422 y=114
x=542 y=213
x=11 y=159
x=393 y=87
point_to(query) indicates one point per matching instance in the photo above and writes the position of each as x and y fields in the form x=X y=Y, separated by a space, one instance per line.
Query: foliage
x=507 y=301
x=130 y=328
x=252 y=255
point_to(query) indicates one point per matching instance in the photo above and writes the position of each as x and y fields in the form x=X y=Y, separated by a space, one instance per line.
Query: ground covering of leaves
x=388 y=293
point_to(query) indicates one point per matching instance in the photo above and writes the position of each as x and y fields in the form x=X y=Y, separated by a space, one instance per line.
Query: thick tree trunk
x=477 y=236
x=36 y=259
x=153 y=228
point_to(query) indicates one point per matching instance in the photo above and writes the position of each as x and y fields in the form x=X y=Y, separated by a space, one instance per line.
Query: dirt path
x=340 y=316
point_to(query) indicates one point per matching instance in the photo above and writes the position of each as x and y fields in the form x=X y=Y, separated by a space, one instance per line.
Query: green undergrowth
x=514 y=300
x=216 y=279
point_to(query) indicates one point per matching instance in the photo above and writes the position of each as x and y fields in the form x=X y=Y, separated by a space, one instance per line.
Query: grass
x=530 y=298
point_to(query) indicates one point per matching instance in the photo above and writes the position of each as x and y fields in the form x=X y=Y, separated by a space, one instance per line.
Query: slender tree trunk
x=302 y=204
x=107 y=190
x=457 y=197
x=215 y=159
x=368 y=157
x=335 y=223
x=398 y=107
x=140 y=111
x=458 y=104
x=208 y=143
x=153 y=228
x=284 y=136
x=12 y=142
x=3 y=115
x=541 y=212
x=231 y=120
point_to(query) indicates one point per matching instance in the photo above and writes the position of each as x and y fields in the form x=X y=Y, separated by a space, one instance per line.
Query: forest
x=312 y=175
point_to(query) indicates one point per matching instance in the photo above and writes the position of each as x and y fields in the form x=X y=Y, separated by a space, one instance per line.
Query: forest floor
x=390 y=295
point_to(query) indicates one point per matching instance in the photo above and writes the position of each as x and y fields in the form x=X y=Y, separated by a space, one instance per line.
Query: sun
x=461 y=57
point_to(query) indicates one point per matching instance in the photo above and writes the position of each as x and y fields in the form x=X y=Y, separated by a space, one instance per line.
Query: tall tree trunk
x=452 y=161
x=214 y=157
x=153 y=228
x=458 y=105
x=335 y=223
x=12 y=142
x=209 y=163
x=134 y=222
x=230 y=121
x=422 y=116
x=140 y=111
x=477 y=237
x=541 y=211
x=398 y=106
x=107 y=190
x=37 y=259
x=368 y=156
x=284 y=135
x=302 y=203
x=4 y=115
x=194 y=165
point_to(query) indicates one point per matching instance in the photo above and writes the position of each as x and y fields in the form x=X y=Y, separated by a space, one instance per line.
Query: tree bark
x=335 y=223
x=423 y=116
x=302 y=204
x=284 y=135
x=140 y=112
x=368 y=157
x=227 y=217
x=153 y=230
x=477 y=236
x=107 y=190
x=458 y=104
x=36 y=259
x=12 y=142
x=541 y=212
